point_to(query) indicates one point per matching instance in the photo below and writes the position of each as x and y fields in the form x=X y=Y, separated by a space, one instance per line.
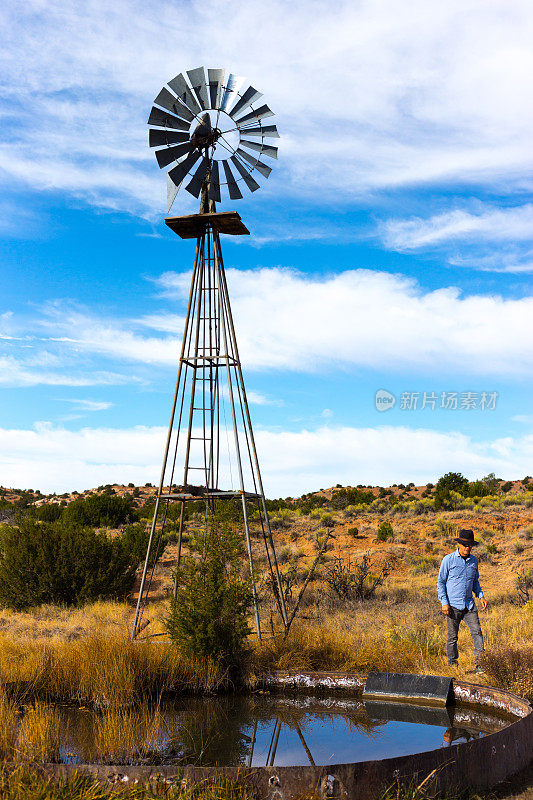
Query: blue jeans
x=452 y=623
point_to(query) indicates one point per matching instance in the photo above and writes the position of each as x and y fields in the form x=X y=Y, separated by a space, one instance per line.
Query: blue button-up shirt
x=458 y=578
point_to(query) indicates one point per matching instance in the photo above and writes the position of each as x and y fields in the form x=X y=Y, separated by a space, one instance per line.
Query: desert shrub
x=320 y=539
x=208 y=618
x=526 y=533
x=278 y=522
x=524 y=586
x=421 y=507
x=327 y=520
x=98 y=511
x=135 y=541
x=511 y=668
x=421 y=565
x=53 y=563
x=353 y=531
x=385 y=532
x=348 y=497
x=451 y=482
x=49 y=512
x=287 y=553
x=355 y=579
x=445 y=528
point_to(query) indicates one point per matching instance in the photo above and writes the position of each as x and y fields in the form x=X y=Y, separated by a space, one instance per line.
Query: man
x=458 y=580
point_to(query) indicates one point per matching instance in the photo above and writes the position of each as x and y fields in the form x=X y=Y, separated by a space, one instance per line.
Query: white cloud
x=501 y=259
x=369 y=95
x=259 y=399
x=53 y=459
x=109 y=338
x=15 y=373
x=288 y=320
x=89 y=405
x=489 y=225
x=364 y=318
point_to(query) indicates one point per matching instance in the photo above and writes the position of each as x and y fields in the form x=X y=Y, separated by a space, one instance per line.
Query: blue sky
x=390 y=249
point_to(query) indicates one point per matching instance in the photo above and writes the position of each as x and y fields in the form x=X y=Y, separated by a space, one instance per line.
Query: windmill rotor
x=208 y=127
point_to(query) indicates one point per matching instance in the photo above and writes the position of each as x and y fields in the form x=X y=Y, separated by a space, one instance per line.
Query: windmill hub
x=216 y=131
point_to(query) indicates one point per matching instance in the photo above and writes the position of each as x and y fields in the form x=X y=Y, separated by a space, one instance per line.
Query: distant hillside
x=322 y=497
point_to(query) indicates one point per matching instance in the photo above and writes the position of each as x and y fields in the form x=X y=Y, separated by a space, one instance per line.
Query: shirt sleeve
x=476 y=588
x=441 y=582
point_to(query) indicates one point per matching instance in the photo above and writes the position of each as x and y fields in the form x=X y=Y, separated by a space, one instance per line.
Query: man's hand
x=446 y=611
x=483 y=603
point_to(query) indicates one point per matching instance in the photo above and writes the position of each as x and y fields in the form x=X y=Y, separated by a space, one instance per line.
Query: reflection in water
x=262 y=729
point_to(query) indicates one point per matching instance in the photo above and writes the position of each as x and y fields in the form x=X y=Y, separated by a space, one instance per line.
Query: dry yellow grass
x=101 y=669
x=123 y=735
x=406 y=637
x=106 y=669
x=65 y=624
x=9 y=722
x=28 y=783
x=40 y=734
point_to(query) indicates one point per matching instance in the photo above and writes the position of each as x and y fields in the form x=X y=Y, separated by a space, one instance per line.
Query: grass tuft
x=29 y=784
x=40 y=735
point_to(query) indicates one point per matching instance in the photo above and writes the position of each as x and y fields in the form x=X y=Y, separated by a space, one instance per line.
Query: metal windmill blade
x=207 y=129
x=234 y=191
x=245 y=175
x=266 y=149
x=160 y=138
x=256 y=164
x=199 y=85
x=167 y=100
x=233 y=84
x=165 y=120
x=195 y=186
x=260 y=113
x=249 y=97
x=270 y=131
x=216 y=83
x=181 y=88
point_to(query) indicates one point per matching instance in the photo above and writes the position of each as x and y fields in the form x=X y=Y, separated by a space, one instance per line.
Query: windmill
x=209 y=129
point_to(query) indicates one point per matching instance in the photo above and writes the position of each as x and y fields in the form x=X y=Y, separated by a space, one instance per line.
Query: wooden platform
x=194 y=225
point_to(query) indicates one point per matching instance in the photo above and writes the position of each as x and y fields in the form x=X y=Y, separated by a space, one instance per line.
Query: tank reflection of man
x=454 y=734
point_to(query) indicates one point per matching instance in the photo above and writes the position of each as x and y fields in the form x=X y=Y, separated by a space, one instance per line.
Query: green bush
x=209 y=616
x=101 y=510
x=53 y=563
x=451 y=482
x=385 y=532
x=48 y=512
